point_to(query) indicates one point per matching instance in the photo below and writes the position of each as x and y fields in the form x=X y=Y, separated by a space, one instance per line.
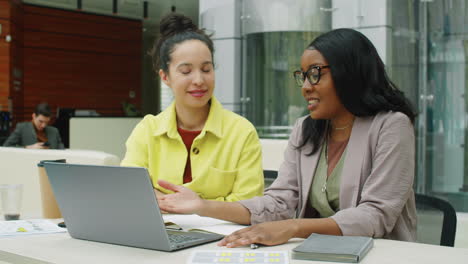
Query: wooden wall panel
x=5 y=9
x=77 y=60
x=47 y=40
x=4 y=74
x=4 y=55
x=80 y=23
x=16 y=59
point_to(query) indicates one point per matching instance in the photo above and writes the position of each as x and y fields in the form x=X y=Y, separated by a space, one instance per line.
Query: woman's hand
x=269 y=233
x=159 y=194
x=182 y=201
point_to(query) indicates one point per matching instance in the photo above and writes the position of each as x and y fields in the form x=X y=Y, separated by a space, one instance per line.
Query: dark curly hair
x=174 y=29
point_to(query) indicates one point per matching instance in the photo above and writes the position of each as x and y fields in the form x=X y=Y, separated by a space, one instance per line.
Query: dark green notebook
x=333 y=248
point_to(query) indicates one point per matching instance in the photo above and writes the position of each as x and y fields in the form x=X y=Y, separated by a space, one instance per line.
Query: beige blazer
x=376 y=194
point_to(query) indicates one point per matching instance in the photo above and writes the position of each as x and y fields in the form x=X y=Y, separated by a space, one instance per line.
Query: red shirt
x=188 y=137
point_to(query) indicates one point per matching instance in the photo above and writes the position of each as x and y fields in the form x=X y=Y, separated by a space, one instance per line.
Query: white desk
x=61 y=248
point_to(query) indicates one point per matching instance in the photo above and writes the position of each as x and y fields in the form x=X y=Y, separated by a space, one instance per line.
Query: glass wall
x=275 y=34
x=276 y=100
x=429 y=62
x=447 y=39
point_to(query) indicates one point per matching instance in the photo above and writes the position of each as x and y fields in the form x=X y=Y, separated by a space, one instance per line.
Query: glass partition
x=275 y=99
x=429 y=62
x=275 y=34
x=446 y=96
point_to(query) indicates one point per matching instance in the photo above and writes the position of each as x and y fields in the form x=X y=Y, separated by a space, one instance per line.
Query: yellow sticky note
x=21 y=229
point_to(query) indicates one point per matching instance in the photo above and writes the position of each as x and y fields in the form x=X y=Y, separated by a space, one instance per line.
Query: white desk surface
x=61 y=248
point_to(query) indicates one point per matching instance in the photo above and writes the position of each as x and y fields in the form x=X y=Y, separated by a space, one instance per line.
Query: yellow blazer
x=226 y=156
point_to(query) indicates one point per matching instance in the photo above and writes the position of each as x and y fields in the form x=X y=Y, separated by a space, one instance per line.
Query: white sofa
x=19 y=165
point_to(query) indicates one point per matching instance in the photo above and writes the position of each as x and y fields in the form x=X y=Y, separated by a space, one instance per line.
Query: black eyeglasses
x=312 y=74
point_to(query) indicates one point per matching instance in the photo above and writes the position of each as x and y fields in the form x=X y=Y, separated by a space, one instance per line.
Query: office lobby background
x=91 y=55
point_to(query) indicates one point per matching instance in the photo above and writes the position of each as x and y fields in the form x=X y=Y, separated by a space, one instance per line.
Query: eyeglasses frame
x=306 y=75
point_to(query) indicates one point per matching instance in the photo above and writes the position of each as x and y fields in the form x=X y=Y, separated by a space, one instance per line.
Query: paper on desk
x=28 y=227
x=238 y=256
x=196 y=222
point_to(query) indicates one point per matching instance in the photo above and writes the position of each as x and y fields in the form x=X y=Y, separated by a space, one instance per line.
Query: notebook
x=238 y=257
x=115 y=205
x=333 y=248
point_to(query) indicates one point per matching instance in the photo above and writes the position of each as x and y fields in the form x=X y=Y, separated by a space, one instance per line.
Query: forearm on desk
x=305 y=227
x=229 y=211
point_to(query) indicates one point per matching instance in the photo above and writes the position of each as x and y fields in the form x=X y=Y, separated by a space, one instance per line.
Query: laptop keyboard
x=178 y=239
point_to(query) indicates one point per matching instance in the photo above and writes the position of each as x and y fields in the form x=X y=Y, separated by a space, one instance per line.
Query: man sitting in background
x=36 y=134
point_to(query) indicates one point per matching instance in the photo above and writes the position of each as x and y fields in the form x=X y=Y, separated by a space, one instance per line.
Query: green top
x=325 y=193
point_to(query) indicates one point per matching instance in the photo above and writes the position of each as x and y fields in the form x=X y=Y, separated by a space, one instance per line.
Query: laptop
x=115 y=205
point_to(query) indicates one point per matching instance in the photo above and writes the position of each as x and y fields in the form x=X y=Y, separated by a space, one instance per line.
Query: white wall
x=370 y=17
x=107 y=134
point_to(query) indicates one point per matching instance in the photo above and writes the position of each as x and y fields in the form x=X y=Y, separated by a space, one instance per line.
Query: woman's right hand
x=267 y=233
x=182 y=201
x=159 y=194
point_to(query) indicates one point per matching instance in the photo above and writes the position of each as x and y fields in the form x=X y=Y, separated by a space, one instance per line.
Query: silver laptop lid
x=109 y=204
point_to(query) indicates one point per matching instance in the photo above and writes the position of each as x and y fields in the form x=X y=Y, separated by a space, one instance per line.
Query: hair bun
x=175 y=28
x=176 y=23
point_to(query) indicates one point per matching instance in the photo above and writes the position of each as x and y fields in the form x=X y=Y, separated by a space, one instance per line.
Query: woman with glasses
x=349 y=165
x=195 y=142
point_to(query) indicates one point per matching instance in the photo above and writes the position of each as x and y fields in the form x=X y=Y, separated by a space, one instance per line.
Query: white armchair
x=19 y=165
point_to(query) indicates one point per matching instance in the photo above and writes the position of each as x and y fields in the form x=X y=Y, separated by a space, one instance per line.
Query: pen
x=253 y=246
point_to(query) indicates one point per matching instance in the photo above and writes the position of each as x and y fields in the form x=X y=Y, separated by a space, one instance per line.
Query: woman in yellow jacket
x=195 y=142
